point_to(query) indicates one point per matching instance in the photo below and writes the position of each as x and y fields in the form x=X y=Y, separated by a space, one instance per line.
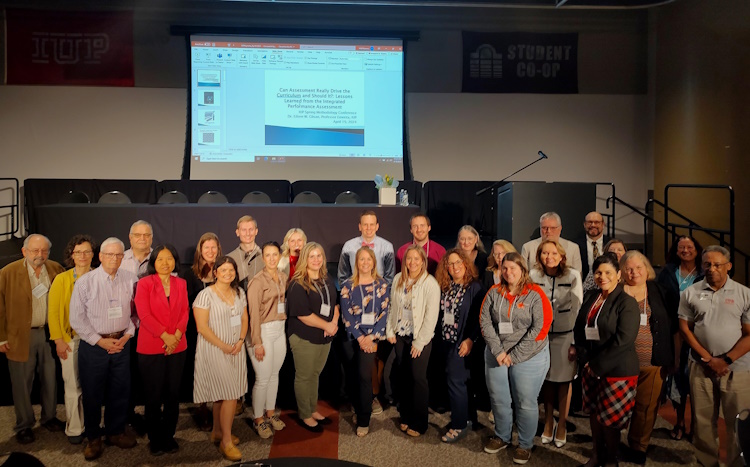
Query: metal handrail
x=610 y=217
x=646 y=218
x=710 y=231
x=14 y=213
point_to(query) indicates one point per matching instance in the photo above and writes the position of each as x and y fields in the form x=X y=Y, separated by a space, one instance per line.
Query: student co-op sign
x=520 y=63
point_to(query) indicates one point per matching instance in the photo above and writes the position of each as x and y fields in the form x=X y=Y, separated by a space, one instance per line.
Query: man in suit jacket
x=592 y=244
x=24 y=286
x=550 y=227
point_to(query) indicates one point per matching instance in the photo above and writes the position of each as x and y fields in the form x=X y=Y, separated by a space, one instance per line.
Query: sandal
x=453 y=436
x=677 y=433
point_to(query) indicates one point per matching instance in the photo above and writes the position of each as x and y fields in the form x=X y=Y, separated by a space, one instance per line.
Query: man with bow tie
x=368 y=227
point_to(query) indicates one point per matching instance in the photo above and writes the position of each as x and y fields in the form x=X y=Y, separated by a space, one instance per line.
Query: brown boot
x=93 y=450
x=122 y=441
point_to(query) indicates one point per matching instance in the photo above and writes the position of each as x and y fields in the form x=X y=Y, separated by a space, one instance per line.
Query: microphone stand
x=497 y=184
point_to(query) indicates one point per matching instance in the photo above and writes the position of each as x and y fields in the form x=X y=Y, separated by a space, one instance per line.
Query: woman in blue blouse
x=460 y=302
x=364 y=301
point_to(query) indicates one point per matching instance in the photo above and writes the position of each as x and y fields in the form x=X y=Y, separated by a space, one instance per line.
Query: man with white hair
x=101 y=312
x=715 y=322
x=24 y=287
x=550 y=227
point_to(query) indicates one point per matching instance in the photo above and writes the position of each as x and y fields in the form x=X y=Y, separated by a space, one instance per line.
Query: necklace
x=226 y=299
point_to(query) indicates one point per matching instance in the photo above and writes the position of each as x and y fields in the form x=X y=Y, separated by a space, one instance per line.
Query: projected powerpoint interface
x=272 y=101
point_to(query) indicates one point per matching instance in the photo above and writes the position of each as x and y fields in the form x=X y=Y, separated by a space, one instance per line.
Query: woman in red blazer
x=162 y=305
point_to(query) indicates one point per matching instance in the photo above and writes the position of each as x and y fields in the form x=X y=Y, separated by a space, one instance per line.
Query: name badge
x=592 y=334
x=449 y=319
x=705 y=296
x=325 y=310
x=236 y=320
x=280 y=308
x=505 y=328
x=368 y=319
x=39 y=291
x=114 y=312
x=644 y=319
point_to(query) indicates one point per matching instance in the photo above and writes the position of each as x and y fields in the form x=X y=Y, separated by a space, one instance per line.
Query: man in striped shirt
x=101 y=312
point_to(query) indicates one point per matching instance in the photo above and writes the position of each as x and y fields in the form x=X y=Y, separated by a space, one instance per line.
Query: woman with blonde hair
x=313 y=317
x=469 y=242
x=294 y=240
x=415 y=307
x=491 y=275
x=365 y=298
x=654 y=344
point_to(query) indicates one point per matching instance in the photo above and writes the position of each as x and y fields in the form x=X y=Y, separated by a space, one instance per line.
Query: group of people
x=535 y=320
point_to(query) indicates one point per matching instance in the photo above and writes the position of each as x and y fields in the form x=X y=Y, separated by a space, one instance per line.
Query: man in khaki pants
x=715 y=321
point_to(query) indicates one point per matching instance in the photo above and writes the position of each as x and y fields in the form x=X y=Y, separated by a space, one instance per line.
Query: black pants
x=359 y=367
x=414 y=392
x=161 y=375
x=460 y=388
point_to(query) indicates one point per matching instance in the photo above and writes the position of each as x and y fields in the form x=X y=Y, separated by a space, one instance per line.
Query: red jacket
x=157 y=314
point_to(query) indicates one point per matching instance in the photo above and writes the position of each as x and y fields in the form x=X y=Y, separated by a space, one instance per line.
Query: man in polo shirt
x=136 y=258
x=420 y=227
x=368 y=227
x=715 y=321
x=101 y=312
x=248 y=256
x=24 y=287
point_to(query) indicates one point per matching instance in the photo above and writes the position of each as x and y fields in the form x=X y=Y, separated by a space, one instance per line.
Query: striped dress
x=219 y=376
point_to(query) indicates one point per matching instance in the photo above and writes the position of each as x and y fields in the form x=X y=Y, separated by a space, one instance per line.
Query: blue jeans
x=105 y=380
x=520 y=384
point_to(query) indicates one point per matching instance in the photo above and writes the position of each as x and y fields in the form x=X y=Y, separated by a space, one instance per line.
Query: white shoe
x=561 y=442
x=548 y=439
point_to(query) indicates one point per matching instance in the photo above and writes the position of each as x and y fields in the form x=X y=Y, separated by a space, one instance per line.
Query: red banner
x=67 y=47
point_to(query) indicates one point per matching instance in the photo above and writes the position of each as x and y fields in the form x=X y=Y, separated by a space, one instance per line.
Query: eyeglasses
x=113 y=255
x=36 y=251
x=593 y=222
x=548 y=229
x=455 y=264
x=142 y=235
x=707 y=266
x=82 y=253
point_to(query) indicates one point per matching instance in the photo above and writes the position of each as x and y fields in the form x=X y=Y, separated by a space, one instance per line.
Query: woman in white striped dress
x=220 y=365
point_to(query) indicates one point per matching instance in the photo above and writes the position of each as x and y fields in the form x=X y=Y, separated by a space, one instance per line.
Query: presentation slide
x=296 y=108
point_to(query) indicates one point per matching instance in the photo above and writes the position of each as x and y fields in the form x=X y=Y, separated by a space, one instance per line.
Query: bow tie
x=369 y=245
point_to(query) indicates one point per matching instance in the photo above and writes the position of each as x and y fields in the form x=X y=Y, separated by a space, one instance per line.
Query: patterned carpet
x=385 y=445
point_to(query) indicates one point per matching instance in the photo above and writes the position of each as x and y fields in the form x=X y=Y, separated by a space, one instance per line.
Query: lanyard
x=361 y=292
x=511 y=305
x=328 y=294
x=278 y=289
x=596 y=318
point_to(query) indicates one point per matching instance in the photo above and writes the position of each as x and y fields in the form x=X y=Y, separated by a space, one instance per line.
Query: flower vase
x=387 y=196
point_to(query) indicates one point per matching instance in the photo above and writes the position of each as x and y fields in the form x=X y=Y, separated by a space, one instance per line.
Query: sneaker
x=521 y=456
x=495 y=445
x=264 y=431
x=377 y=408
x=276 y=423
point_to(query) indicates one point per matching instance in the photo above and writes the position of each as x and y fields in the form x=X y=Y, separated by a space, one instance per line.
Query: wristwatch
x=727 y=359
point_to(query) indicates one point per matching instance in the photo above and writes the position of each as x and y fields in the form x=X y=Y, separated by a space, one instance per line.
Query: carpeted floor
x=385 y=445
